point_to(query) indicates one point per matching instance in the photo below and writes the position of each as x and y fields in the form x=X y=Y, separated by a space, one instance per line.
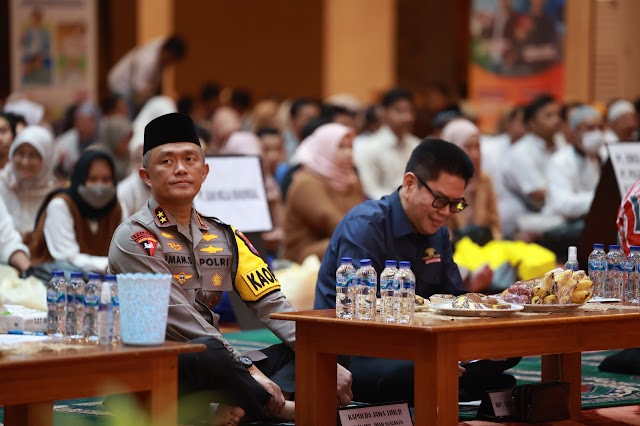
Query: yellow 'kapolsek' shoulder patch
x=259 y=282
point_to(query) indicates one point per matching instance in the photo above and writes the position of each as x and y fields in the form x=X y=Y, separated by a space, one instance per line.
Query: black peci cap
x=169 y=128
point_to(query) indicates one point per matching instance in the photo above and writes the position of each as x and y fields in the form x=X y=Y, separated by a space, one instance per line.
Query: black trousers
x=216 y=376
x=377 y=380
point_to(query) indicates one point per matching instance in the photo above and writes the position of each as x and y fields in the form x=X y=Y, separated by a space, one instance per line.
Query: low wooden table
x=30 y=383
x=435 y=345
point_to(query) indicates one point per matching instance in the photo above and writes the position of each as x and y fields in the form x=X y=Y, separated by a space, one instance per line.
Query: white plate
x=603 y=300
x=447 y=309
x=534 y=307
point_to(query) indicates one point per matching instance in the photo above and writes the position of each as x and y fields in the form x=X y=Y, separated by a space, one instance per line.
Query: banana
x=551 y=299
x=565 y=299
x=584 y=284
x=579 y=275
x=536 y=299
x=580 y=296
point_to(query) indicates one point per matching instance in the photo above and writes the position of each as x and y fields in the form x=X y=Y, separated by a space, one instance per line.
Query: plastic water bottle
x=598 y=269
x=105 y=315
x=115 y=306
x=632 y=285
x=615 y=272
x=345 y=289
x=366 y=291
x=75 y=306
x=91 y=302
x=388 y=290
x=57 y=305
x=572 y=259
x=406 y=293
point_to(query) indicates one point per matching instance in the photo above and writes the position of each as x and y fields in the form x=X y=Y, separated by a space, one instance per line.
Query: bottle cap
x=76 y=275
x=365 y=262
x=573 y=253
x=57 y=273
x=94 y=276
x=598 y=246
x=405 y=264
x=390 y=263
x=346 y=260
x=634 y=248
x=109 y=277
x=614 y=247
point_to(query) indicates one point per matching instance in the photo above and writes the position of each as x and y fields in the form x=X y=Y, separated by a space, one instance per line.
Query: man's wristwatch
x=246 y=361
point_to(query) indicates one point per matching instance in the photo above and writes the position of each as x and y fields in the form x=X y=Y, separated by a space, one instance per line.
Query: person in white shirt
x=494 y=148
x=28 y=177
x=13 y=251
x=382 y=159
x=524 y=170
x=137 y=76
x=574 y=170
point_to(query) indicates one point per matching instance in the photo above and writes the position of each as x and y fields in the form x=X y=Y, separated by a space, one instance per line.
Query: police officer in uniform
x=205 y=258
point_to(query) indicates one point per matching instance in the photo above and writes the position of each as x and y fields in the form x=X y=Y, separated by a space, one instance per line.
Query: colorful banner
x=516 y=54
x=53 y=51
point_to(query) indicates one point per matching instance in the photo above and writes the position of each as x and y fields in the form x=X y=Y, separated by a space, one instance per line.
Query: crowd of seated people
x=535 y=175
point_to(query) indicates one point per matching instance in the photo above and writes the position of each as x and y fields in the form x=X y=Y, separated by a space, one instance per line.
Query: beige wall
x=270 y=47
x=359 y=47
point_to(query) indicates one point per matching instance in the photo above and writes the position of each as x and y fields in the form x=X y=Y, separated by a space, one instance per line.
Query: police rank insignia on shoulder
x=182 y=277
x=167 y=235
x=175 y=246
x=208 y=237
x=202 y=224
x=161 y=216
x=146 y=241
x=247 y=242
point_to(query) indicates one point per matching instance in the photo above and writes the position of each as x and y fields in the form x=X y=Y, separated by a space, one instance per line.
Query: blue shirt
x=380 y=230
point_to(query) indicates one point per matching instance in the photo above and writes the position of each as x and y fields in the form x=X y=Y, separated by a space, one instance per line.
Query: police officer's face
x=417 y=200
x=176 y=172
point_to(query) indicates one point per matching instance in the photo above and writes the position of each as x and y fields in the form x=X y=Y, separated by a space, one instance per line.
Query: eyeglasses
x=455 y=206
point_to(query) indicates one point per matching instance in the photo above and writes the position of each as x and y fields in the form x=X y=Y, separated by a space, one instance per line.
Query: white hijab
x=42 y=140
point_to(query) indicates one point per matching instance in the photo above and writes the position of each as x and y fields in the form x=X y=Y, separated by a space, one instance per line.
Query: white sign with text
x=625 y=158
x=234 y=192
x=377 y=415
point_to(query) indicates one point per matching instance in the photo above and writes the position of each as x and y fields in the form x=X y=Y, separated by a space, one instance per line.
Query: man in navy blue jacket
x=409 y=225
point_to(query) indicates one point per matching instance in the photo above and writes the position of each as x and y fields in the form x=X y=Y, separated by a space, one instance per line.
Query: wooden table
x=436 y=345
x=30 y=383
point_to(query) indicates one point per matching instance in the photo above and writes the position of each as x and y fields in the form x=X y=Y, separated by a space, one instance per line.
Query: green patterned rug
x=598 y=389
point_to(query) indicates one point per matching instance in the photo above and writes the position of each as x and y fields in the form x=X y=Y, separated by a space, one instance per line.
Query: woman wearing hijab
x=28 y=177
x=322 y=192
x=75 y=225
x=480 y=221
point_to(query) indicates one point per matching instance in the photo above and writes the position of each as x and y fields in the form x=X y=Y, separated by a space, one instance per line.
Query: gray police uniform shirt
x=205 y=259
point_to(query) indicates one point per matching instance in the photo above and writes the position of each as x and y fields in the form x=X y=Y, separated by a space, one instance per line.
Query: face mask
x=592 y=141
x=98 y=195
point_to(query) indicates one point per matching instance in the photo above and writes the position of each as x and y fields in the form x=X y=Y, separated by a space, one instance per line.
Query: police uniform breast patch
x=182 y=277
x=211 y=249
x=175 y=246
x=247 y=242
x=208 y=237
x=216 y=279
x=146 y=241
x=167 y=235
x=161 y=216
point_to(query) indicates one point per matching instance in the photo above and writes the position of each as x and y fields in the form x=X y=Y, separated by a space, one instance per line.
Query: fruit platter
x=556 y=291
